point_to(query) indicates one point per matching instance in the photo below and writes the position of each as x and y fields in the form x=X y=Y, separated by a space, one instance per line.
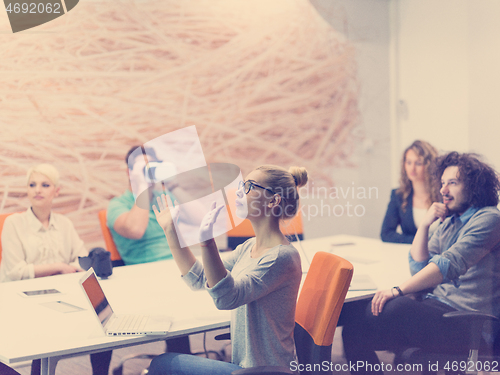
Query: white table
x=385 y=263
x=30 y=330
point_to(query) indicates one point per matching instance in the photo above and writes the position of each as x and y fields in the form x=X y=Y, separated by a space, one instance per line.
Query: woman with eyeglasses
x=258 y=281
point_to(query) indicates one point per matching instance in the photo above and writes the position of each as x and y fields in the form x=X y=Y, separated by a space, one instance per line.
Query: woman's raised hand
x=208 y=221
x=165 y=216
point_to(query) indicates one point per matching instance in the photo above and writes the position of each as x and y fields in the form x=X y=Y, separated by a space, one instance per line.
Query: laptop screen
x=96 y=297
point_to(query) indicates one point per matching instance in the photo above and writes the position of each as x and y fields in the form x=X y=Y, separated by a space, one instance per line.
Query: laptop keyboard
x=129 y=323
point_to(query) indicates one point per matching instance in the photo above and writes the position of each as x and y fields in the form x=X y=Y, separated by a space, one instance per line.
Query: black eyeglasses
x=249 y=184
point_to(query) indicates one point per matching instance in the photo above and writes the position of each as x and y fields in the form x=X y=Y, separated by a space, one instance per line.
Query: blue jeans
x=186 y=364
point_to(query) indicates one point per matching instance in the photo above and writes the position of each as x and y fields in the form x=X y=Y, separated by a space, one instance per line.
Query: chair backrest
x=116 y=259
x=319 y=305
x=244 y=231
x=2 y=220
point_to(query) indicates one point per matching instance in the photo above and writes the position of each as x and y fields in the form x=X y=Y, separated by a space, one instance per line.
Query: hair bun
x=299 y=175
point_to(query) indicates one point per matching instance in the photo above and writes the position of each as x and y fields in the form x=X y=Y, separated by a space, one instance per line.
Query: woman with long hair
x=258 y=281
x=416 y=193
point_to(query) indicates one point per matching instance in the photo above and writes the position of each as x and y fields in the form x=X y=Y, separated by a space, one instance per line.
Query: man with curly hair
x=459 y=265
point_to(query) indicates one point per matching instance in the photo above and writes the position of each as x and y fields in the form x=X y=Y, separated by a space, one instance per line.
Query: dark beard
x=459 y=209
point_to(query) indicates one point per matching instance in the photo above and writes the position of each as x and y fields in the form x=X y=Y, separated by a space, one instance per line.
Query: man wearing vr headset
x=135 y=231
x=137 y=235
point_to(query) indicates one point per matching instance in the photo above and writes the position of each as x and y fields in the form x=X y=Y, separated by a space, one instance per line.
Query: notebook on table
x=116 y=324
x=362 y=282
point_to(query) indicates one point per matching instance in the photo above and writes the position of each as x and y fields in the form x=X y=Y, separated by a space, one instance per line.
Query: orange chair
x=319 y=306
x=318 y=310
x=116 y=259
x=2 y=220
x=244 y=231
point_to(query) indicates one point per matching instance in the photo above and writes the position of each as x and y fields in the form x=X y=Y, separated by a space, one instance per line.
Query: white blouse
x=26 y=243
x=418 y=216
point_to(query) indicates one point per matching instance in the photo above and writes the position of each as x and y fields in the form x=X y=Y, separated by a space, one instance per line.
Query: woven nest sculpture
x=264 y=83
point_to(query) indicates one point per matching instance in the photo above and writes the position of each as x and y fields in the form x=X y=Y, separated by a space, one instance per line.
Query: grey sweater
x=262 y=294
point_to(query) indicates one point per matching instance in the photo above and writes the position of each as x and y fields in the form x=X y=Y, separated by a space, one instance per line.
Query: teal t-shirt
x=153 y=245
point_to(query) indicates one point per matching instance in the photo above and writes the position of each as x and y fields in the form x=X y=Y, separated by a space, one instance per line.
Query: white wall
x=484 y=79
x=448 y=77
x=428 y=69
x=366 y=24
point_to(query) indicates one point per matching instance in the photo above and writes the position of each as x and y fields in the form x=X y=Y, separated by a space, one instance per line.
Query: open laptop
x=114 y=325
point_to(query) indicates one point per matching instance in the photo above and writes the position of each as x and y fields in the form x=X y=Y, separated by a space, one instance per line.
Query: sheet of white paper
x=62 y=306
x=362 y=282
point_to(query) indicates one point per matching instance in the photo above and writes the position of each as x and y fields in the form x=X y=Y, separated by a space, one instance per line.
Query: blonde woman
x=258 y=281
x=415 y=194
x=39 y=242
